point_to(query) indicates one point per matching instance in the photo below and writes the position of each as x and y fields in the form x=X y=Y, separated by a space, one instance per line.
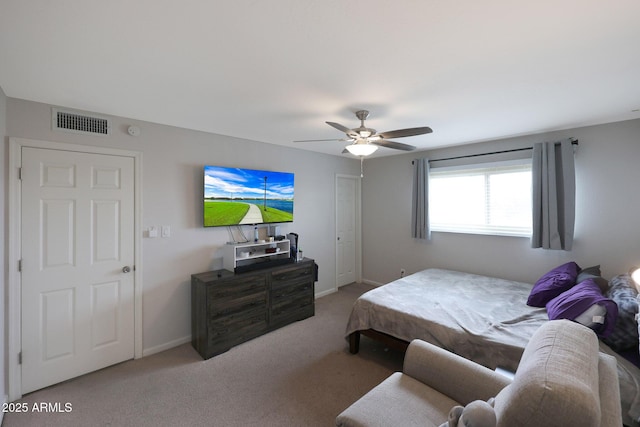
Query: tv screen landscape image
x=236 y=196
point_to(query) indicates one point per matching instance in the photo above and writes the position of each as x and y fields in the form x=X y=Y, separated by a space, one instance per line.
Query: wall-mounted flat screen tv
x=235 y=196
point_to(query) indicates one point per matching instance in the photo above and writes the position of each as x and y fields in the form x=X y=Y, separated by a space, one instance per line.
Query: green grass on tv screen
x=219 y=213
x=275 y=215
x=223 y=213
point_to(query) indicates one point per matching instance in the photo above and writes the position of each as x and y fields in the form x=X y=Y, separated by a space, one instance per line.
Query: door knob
x=126 y=269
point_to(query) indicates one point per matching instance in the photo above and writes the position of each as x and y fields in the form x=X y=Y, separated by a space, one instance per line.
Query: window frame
x=486 y=169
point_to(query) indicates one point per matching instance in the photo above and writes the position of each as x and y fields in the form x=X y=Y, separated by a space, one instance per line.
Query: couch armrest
x=458 y=378
x=609 y=388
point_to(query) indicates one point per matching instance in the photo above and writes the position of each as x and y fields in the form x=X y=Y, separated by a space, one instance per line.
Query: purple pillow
x=572 y=303
x=553 y=284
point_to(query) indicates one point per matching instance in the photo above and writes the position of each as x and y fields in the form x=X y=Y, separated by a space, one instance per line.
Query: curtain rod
x=573 y=142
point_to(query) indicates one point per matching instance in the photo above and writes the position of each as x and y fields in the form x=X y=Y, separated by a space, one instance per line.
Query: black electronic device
x=262 y=264
x=293 y=244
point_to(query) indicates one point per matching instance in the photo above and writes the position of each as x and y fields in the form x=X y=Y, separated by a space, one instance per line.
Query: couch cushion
x=552 y=284
x=556 y=383
x=398 y=401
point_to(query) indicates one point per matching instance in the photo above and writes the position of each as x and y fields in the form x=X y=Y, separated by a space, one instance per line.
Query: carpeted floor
x=299 y=375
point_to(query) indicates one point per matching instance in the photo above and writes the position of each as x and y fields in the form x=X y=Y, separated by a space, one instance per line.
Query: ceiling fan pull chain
x=361 y=162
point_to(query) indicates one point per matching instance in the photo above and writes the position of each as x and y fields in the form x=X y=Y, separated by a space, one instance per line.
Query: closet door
x=77 y=233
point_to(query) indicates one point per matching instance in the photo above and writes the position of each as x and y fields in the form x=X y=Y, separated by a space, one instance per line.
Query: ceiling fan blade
x=339 y=127
x=319 y=140
x=400 y=133
x=394 y=145
x=344 y=129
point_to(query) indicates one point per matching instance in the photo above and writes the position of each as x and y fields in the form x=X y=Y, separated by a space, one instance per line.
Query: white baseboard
x=372 y=283
x=325 y=293
x=166 y=346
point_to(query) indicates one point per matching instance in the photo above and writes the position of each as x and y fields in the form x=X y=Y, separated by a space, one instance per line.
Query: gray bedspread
x=481 y=318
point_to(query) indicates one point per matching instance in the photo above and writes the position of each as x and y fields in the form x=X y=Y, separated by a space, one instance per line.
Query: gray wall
x=172 y=195
x=607 y=228
x=3 y=248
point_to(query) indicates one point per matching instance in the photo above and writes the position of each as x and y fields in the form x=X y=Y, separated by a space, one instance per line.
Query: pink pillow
x=553 y=283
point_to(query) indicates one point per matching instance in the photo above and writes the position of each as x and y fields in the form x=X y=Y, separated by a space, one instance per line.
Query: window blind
x=488 y=199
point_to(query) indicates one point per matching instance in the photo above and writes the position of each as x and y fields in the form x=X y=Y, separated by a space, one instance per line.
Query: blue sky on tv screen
x=246 y=183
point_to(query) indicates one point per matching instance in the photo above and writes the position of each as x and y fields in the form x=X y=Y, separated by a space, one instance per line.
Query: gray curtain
x=420 y=204
x=554 y=187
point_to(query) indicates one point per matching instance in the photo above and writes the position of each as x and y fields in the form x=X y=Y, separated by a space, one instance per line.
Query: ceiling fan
x=365 y=141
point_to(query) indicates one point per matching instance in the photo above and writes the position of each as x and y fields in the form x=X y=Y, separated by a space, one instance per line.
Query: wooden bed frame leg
x=354 y=342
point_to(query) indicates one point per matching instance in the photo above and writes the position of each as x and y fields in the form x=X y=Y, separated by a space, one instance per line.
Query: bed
x=481 y=318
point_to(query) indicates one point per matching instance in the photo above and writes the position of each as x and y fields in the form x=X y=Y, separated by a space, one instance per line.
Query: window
x=482 y=199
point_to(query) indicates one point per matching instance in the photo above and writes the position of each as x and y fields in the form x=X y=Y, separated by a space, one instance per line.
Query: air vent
x=80 y=123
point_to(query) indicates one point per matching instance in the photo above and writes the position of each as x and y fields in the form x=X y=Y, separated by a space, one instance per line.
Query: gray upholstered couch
x=562 y=380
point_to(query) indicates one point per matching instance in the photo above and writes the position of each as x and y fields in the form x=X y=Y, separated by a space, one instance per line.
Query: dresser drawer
x=296 y=272
x=237 y=303
x=292 y=290
x=290 y=310
x=237 y=288
x=238 y=326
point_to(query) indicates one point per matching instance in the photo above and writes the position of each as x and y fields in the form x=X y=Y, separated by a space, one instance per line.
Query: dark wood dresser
x=228 y=308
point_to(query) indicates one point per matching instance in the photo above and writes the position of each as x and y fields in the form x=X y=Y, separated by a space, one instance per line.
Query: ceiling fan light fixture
x=361 y=149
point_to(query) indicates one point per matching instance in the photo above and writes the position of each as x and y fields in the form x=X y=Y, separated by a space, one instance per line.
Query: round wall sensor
x=133 y=130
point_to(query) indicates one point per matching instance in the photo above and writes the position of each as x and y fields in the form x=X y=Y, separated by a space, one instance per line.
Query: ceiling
x=275 y=71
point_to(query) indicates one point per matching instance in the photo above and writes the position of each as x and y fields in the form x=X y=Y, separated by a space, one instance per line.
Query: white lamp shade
x=362 y=149
x=635 y=275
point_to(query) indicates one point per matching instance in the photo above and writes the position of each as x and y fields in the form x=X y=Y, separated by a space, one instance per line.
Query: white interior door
x=346 y=229
x=77 y=233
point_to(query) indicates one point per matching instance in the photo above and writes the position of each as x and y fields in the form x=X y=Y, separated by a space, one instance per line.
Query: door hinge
x=19 y=174
x=20 y=265
x=20 y=358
